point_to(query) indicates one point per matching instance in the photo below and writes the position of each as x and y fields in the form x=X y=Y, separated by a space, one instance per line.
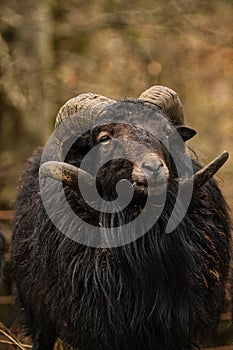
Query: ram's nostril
x=147 y=166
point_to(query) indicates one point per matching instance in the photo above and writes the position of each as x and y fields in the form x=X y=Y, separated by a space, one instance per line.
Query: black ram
x=149 y=288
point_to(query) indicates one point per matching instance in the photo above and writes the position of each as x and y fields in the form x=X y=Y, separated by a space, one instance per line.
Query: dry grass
x=8 y=338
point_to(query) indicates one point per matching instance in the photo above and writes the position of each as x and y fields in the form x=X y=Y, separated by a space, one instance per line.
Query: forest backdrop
x=53 y=50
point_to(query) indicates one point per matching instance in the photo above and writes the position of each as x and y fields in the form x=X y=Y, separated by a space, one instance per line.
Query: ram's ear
x=186 y=133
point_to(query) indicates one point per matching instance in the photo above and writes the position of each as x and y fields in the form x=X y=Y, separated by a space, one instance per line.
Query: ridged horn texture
x=85 y=106
x=78 y=115
x=68 y=174
x=167 y=100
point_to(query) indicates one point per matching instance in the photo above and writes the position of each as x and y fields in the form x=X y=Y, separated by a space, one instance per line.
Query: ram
x=121 y=238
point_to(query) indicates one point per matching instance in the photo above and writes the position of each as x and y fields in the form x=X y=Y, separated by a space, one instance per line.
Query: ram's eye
x=104 y=137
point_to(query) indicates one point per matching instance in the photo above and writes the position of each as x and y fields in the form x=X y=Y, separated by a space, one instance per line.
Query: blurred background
x=53 y=50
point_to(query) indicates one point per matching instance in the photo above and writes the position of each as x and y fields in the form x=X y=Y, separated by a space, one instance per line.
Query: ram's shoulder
x=32 y=165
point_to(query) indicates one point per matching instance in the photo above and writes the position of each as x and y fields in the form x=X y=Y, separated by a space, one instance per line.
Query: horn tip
x=223 y=157
x=225 y=154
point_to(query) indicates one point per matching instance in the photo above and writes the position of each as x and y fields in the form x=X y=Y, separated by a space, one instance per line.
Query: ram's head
x=134 y=140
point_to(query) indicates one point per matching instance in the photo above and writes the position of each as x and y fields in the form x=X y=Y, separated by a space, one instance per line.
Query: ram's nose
x=151 y=166
x=150 y=170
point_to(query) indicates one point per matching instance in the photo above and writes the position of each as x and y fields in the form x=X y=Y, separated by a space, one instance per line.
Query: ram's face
x=129 y=141
x=141 y=141
x=131 y=153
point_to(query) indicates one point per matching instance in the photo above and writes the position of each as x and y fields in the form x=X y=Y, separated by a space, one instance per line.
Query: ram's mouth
x=152 y=190
x=140 y=184
x=140 y=187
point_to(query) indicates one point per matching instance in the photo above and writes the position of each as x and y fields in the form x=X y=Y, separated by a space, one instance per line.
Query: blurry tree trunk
x=27 y=95
x=38 y=32
x=27 y=65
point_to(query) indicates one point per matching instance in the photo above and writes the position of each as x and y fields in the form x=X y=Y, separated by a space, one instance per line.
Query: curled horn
x=77 y=116
x=85 y=107
x=167 y=100
x=68 y=174
x=80 y=111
